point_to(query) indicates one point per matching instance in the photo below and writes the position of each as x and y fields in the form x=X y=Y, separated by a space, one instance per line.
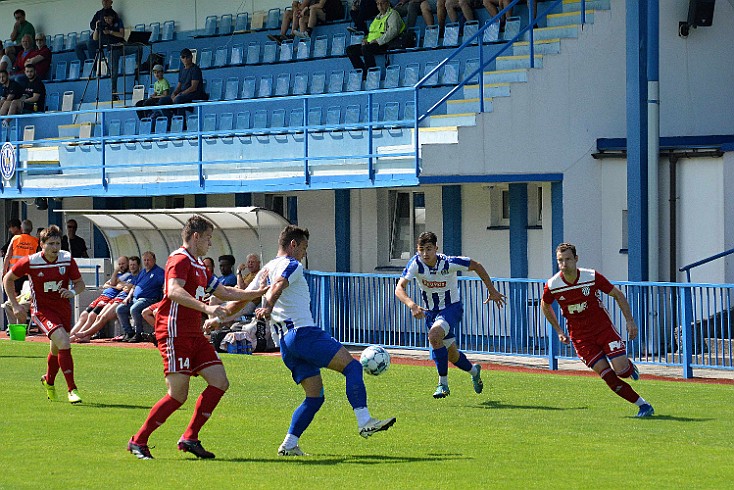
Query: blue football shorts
x=305 y=350
x=448 y=318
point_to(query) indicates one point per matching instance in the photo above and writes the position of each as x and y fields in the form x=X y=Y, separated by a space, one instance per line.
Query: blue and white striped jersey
x=439 y=285
x=294 y=304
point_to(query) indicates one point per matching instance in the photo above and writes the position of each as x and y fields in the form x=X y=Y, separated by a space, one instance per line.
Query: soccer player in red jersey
x=590 y=327
x=185 y=350
x=50 y=271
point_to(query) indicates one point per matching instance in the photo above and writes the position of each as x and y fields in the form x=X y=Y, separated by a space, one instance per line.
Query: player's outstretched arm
x=494 y=295
x=416 y=310
x=550 y=315
x=178 y=294
x=271 y=297
x=624 y=307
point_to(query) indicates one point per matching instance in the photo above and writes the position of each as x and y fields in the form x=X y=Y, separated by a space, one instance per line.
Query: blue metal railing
x=361 y=309
x=693 y=265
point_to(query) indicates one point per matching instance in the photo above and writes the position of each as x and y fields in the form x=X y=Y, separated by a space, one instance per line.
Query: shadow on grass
x=495 y=405
x=113 y=405
x=25 y=357
x=336 y=459
x=674 y=418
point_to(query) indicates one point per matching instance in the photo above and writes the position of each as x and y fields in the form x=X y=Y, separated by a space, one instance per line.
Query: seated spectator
x=292 y=19
x=190 y=84
x=18 y=73
x=361 y=12
x=319 y=12
x=161 y=88
x=467 y=7
x=87 y=50
x=22 y=27
x=148 y=290
x=71 y=242
x=6 y=63
x=386 y=28
x=10 y=90
x=24 y=299
x=252 y=266
x=40 y=57
x=226 y=264
x=411 y=9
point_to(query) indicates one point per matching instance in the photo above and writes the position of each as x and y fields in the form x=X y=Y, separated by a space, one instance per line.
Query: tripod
x=99 y=58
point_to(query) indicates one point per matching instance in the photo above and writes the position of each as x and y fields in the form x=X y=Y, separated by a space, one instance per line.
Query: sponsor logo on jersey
x=577 y=308
x=617 y=344
x=586 y=290
x=62 y=269
x=52 y=286
x=434 y=284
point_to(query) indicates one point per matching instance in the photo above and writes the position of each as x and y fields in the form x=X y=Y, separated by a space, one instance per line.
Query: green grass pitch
x=527 y=430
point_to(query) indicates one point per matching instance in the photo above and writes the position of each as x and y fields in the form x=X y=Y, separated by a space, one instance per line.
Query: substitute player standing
x=185 y=350
x=50 y=271
x=590 y=327
x=439 y=285
x=304 y=347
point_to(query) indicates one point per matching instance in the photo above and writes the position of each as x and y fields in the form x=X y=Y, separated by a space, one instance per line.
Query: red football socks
x=66 y=363
x=618 y=386
x=52 y=368
x=157 y=416
x=205 y=405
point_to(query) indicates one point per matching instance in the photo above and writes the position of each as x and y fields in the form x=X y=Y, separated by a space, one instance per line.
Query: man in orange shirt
x=20 y=246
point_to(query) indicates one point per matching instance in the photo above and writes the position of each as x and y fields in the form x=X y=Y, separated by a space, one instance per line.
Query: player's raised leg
x=624 y=367
x=622 y=389
x=459 y=360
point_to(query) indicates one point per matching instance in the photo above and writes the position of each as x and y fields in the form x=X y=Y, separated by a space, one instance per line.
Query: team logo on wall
x=8 y=163
x=585 y=290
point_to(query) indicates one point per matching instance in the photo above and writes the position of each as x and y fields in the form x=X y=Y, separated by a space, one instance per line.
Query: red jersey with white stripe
x=172 y=319
x=47 y=278
x=580 y=302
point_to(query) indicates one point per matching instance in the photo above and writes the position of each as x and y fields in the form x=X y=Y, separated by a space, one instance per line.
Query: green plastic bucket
x=17 y=332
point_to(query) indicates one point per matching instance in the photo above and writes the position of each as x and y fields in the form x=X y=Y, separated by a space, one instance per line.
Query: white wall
x=316 y=212
x=62 y=16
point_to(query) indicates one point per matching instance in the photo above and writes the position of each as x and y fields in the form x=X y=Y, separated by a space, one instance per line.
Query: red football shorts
x=100 y=301
x=50 y=321
x=607 y=343
x=187 y=355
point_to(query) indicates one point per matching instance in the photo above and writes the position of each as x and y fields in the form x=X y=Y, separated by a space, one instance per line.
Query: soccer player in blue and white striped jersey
x=436 y=276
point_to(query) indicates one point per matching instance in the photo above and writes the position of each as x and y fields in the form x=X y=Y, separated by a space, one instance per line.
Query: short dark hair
x=196 y=224
x=427 y=237
x=134 y=258
x=52 y=231
x=19 y=11
x=228 y=258
x=14 y=223
x=566 y=246
x=109 y=13
x=186 y=53
x=4 y=71
x=290 y=233
x=70 y=221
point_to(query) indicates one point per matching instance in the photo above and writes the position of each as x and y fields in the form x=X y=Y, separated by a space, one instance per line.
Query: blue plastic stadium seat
x=352 y=114
x=161 y=125
x=231 y=89
x=248 y=87
x=225 y=25
x=177 y=124
x=333 y=116
x=210 y=25
x=270 y=49
x=286 y=51
x=169 y=29
x=84 y=36
x=314 y=116
x=336 y=81
x=226 y=121
x=392 y=111
x=139 y=27
x=155 y=31
x=373 y=78
x=210 y=123
x=215 y=89
x=205 y=59
x=450 y=73
x=253 y=53
x=491 y=33
x=300 y=83
x=113 y=127
x=273 y=19
x=338 y=44
x=283 y=84
x=318 y=82
x=130 y=64
x=471 y=27
x=174 y=61
x=53 y=102
x=260 y=119
x=392 y=76
x=356 y=38
x=70 y=42
x=451 y=34
x=320 y=46
x=354 y=81
x=220 y=57
x=58 y=43
x=192 y=122
x=87 y=68
x=236 y=56
x=430 y=37
x=265 y=89
x=411 y=75
x=74 y=70
x=433 y=80
x=277 y=119
x=243 y=120
x=409 y=111
x=146 y=126
x=296 y=118
x=303 y=49
x=242 y=22
x=470 y=66
x=60 y=71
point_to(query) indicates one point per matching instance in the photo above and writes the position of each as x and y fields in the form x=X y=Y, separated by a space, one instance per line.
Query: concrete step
x=562 y=31
x=566 y=18
x=461 y=106
x=489 y=89
x=457 y=119
x=506 y=76
x=543 y=46
x=575 y=5
x=515 y=62
x=439 y=135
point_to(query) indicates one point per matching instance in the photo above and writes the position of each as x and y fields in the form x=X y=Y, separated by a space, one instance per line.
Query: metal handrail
x=693 y=265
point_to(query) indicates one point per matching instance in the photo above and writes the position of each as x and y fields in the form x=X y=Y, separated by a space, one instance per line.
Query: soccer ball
x=375 y=360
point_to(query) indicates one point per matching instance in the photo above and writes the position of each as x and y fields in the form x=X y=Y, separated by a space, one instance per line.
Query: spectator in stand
x=209 y=265
x=33 y=98
x=292 y=19
x=227 y=277
x=190 y=85
x=319 y=12
x=467 y=7
x=87 y=50
x=21 y=245
x=13 y=229
x=21 y=56
x=386 y=27
x=161 y=88
x=410 y=9
x=111 y=32
x=73 y=243
x=40 y=57
x=5 y=62
x=252 y=266
x=22 y=27
x=23 y=299
x=10 y=90
x=148 y=290
x=361 y=12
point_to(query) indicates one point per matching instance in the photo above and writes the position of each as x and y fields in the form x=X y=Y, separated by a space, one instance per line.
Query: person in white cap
x=161 y=88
